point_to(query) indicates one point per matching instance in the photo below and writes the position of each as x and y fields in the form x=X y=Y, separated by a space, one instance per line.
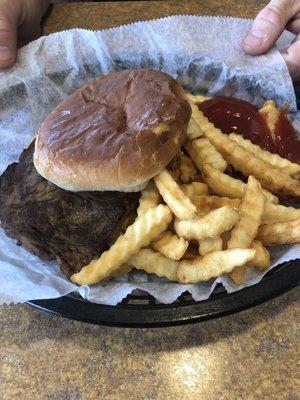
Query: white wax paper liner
x=203 y=53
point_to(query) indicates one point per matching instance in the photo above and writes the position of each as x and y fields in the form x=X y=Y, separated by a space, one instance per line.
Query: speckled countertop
x=112 y=13
x=250 y=355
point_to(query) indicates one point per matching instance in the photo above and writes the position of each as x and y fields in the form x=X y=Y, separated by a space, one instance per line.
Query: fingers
x=294 y=24
x=29 y=26
x=8 y=36
x=292 y=58
x=18 y=17
x=269 y=24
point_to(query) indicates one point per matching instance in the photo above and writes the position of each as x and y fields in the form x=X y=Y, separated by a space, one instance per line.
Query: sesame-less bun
x=113 y=134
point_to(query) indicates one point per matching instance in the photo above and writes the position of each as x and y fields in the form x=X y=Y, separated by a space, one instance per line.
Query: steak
x=71 y=227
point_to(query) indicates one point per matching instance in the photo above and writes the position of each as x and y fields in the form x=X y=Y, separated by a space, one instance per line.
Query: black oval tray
x=140 y=310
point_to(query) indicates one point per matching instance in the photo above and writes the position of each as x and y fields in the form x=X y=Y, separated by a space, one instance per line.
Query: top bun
x=114 y=133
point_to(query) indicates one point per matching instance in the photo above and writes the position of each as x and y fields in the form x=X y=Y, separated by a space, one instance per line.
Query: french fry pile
x=196 y=222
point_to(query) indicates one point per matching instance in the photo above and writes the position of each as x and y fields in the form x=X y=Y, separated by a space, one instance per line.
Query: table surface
x=113 y=13
x=250 y=355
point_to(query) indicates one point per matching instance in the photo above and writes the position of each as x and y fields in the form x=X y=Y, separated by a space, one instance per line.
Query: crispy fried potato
x=123 y=269
x=197 y=98
x=178 y=202
x=225 y=185
x=212 y=265
x=188 y=171
x=278 y=213
x=193 y=130
x=246 y=162
x=244 y=232
x=155 y=263
x=194 y=188
x=140 y=234
x=149 y=198
x=170 y=246
x=280 y=233
x=270 y=114
x=203 y=152
x=211 y=225
x=251 y=211
x=209 y=245
x=275 y=160
x=207 y=203
x=261 y=259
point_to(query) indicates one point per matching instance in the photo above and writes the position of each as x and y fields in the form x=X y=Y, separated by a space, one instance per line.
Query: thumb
x=268 y=25
x=8 y=39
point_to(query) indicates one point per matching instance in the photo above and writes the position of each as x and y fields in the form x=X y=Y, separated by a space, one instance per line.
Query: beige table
x=251 y=355
x=112 y=13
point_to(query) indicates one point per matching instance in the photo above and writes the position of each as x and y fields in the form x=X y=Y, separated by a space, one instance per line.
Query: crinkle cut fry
x=170 y=245
x=194 y=188
x=140 y=234
x=245 y=231
x=212 y=265
x=224 y=185
x=246 y=162
x=172 y=194
x=149 y=198
x=197 y=98
x=210 y=202
x=280 y=233
x=278 y=213
x=209 y=245
x=272 y=212
x=203 y=152
x=193 y=130
x=270 y=114
x=286 y=166
x=155 y=263
x=262 y=256
x=211 y=225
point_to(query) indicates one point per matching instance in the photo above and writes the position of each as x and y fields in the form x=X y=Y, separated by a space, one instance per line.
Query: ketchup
x=239 y=116
x=288 y=145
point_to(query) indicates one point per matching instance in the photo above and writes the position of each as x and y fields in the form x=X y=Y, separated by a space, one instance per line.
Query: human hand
x=268 y=26
x=19 y=23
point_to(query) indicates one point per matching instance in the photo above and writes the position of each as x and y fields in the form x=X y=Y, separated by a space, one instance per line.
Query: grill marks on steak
x=72 y=227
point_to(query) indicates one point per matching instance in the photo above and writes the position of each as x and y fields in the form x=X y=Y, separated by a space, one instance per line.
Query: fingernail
x=5 y=53
x=253 y=41
x=257 y=36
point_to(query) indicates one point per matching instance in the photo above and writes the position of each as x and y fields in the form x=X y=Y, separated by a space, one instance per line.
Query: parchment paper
x=203 y=53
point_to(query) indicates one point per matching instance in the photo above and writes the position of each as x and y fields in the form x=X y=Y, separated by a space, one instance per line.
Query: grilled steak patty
x=52 y=223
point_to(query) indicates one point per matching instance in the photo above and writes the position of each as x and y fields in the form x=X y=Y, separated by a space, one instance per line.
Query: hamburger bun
x=113 y=134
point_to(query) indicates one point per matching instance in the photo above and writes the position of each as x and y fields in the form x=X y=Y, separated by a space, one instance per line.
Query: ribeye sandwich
x=76 y=188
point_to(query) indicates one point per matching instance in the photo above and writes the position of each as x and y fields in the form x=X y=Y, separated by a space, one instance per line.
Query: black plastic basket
x=141 y=310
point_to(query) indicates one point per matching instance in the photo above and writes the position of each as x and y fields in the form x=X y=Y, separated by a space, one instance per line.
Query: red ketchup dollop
x=288 y=145
x=239 y=116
